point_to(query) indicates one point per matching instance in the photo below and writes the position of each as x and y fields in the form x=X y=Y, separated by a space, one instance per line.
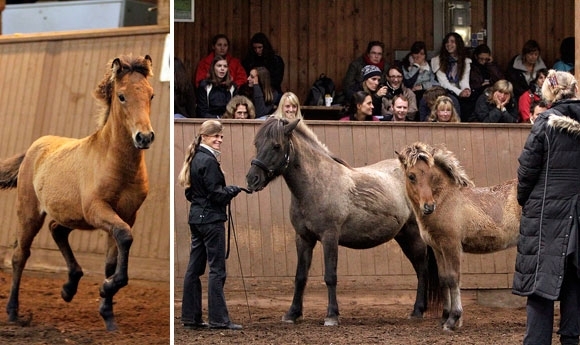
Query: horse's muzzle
x=143 y=140
x=428 y=208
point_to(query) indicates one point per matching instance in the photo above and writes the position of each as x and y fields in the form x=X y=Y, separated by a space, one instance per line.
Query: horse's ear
x=401 y=159
x=291 y=126
x=148 y=58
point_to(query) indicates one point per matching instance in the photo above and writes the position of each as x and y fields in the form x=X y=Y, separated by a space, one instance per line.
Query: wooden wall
x=316 y=37
x=265 y=235
x=47 y=83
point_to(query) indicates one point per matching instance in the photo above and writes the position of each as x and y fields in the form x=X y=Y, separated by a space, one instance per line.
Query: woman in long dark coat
x=548 y=190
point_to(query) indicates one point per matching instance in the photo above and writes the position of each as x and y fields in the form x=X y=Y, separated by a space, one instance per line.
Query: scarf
x=451 y=72
x=380 y=65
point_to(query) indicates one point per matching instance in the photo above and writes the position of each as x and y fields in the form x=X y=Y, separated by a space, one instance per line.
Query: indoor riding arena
x=47 y=82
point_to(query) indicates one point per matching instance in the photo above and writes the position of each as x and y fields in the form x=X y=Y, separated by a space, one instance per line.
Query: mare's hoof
x=67 y=296
x=12 y=315
x=452 y=325
x=111 y=325
x=289 y=319
x=331 y=321
x=22 y=321
x=416 y=315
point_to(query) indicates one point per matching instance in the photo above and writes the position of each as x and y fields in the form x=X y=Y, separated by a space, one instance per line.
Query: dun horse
x=455 y=217
x=337 y=205
x=98 y=182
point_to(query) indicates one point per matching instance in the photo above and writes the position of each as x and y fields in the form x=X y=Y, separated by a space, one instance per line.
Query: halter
x=271 y=173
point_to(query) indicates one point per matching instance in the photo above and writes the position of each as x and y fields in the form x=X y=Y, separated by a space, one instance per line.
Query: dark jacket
x=548 y=180
x=213 y=104
x=488 y=112
x=274 y=65
x=479 y=73
x=206 y=193
x=516 y=74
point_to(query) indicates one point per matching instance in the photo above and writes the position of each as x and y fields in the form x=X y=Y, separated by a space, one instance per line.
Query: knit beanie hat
x=370 y=71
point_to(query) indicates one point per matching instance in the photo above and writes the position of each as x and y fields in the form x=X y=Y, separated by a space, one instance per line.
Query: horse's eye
x=122 y=98
x=412 y=178
x=277 y=147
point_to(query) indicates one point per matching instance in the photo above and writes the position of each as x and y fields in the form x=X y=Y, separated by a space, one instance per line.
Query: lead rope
x=231 y=229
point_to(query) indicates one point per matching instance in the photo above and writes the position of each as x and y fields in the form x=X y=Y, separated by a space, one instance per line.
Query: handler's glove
x=232 y=190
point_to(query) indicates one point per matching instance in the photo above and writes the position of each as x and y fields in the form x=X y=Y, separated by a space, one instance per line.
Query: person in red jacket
x=220 y=45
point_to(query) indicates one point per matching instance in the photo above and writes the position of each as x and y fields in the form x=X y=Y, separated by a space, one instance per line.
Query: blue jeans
x=207 y=247
x=540 y=313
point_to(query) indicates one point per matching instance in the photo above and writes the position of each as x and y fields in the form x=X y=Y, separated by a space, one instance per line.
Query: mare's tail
x=9 y=171
x=434 y=292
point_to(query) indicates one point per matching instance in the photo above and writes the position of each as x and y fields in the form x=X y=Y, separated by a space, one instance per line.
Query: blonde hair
x=502 y=86
x=292 y=99
x=443 y=100
x=559 y=85
x=209 y=127
x=236 y=101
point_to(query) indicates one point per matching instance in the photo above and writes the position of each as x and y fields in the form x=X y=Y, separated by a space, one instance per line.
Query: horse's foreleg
x=415 y=249
x=106 y=306
x=330 y=248
x=449 y=272
x=304 y=248
x=75 y=272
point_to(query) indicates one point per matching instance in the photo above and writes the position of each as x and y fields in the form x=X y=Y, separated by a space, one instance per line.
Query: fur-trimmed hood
x=565 y=124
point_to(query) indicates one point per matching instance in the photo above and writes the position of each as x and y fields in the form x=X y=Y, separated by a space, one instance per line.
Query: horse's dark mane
x=117 y=69
x=440 y=157
x=273 y=128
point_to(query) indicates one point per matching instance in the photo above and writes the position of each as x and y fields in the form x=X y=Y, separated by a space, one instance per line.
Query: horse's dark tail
x=434 y=292
x=9 y=171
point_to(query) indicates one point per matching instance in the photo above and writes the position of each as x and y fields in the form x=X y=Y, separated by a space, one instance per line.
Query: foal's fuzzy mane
x=439 y=156
x=104 y=90
x=273 y=128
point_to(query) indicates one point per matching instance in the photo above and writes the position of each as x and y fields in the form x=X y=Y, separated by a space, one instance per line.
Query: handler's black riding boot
x=568 y=340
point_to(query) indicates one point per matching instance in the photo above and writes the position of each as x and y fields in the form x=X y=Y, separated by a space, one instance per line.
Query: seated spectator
x=183 y=91
x=240 y=107
x=496 y=104
x=484 y=71
x=360 y=108
x=374 y=55
x=215 y=92
x=429 y=98
x=371 y=78
x=220 y=45
x=289 y=107
x=262 y=54
x=452 y=68
x=536 y=109
x=395 y=87
x=443 y=110
x=417 y=73
x=400 y=109
x=260 y=91
x=567 y=52
x=522 y=68
x=534 y=94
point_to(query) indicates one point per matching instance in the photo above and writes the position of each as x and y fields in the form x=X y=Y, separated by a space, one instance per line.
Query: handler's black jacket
x=548 y=190
x=206 y=193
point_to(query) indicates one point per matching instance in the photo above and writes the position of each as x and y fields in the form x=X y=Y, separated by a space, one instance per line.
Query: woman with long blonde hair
x=206 y=190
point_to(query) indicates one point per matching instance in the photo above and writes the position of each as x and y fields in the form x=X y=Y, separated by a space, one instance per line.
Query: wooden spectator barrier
x=265 y=237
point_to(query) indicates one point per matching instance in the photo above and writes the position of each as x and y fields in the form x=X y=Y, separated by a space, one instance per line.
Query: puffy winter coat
x=548 y=190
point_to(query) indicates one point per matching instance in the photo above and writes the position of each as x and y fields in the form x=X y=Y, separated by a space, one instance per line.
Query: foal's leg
x=75 y=272
x=30 y=223
x=106 y=305
x=304 y=248
x=330 y=247
x=449 y=275
x=415 y=249
x=100 y=215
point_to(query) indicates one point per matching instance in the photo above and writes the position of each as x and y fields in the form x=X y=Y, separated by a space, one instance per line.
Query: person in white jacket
x=452 y=68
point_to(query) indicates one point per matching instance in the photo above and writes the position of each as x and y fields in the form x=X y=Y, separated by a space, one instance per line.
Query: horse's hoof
x=289 y=319
x=416 y=315
x=22 y=321
x=12 y=315
x=331 y=321
x=66 y=295
x=111 y=325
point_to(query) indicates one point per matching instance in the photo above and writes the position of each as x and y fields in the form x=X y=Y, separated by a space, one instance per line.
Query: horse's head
x=429 y=172
x=127 y=94
x=273 y=148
